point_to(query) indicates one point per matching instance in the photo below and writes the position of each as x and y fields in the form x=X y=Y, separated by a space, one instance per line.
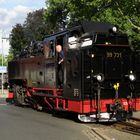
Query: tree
x=4 y=60
x=35 y=27
x=17 y=39
x=129 y=11
x=56 y=14
x=10 y=56
x=124 y=14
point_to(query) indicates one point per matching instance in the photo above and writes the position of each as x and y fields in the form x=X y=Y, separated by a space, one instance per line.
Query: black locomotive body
x=99 y=74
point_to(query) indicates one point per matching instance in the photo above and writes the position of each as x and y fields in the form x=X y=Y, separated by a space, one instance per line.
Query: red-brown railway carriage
x=99 y=79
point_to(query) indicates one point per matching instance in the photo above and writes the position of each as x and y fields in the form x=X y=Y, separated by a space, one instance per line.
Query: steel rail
x=129 y=126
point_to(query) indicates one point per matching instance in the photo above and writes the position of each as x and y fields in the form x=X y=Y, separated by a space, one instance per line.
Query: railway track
x=130 y=126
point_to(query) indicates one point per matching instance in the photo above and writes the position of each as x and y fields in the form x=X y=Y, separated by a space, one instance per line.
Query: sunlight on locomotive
x=86 y=42
x=72 y=41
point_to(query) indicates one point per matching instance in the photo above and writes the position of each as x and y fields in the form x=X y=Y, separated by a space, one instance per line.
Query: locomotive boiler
x=99 y=76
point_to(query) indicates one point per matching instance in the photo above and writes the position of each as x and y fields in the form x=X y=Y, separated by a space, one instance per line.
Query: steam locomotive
x=101 y=78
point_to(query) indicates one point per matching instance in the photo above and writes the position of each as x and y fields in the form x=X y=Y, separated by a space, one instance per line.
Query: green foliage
x=10 y=56
x=56 y=14
x=17 y=39
x=124 y=14
x=60 y=14
x=5 y=61
x=34 y=28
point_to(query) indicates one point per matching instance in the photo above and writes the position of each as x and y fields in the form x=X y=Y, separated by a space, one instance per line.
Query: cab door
x=50 y=62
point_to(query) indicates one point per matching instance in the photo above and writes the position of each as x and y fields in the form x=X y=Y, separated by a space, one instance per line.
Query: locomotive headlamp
x=114 y=29
x=132 y=77
x=99 y=77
